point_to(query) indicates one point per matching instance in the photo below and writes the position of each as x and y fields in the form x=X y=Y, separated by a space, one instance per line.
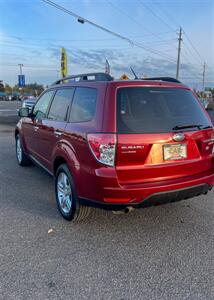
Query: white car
x=29 y=102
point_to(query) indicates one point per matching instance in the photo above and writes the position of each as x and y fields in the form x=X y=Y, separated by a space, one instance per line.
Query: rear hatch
x=163 y=133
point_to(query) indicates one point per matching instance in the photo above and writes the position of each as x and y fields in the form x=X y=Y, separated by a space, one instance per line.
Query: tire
x=68 y=205
x=21 y=157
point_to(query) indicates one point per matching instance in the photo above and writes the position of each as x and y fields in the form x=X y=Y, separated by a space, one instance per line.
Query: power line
x=29 y=46
x=133 y=19
x=130 y=41
x=154 y=14
x=200 y=77
x=192 y=53
x=186 y=55
x=53 y=68
x=163 y=42
x=29 y=65
x=84 y=20
x=79 y=40
x=192 y=73
x=137 y=44
x=173 y=21
x=196 y=51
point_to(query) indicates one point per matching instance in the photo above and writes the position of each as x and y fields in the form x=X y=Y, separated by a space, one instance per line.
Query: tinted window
x=60 y=104
x=156 y=110
x=41 y=107
x=84 y=105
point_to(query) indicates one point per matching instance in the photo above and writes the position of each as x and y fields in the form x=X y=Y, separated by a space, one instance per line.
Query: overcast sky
x=32 y=33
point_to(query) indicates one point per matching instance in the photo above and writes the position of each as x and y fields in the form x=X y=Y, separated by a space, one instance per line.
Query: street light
x=82 y=21
x=20 y=66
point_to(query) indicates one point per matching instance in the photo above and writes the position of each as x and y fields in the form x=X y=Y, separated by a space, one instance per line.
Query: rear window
x=157 y=110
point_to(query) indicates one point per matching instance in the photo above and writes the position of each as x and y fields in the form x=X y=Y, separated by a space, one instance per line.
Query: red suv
x=118 y=144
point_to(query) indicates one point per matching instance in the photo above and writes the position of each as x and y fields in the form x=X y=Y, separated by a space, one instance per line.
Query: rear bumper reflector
x=117 y=200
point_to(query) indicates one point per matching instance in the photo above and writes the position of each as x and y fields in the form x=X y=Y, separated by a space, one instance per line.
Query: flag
x=107 y=67
x=63 y=63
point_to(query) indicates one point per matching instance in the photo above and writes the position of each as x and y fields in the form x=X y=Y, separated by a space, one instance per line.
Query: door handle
x=58 y=133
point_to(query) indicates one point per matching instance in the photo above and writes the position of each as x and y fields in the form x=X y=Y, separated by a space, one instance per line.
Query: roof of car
x=154 y=83
x=102 y=79
x=120 y=83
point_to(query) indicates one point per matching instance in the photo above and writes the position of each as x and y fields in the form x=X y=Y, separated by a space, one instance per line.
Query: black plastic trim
x=154 y=199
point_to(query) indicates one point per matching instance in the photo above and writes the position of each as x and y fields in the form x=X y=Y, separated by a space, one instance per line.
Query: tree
x=31 y=89
x=2 y=89
x=8 y=88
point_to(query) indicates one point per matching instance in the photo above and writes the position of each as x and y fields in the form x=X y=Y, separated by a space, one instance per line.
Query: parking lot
x=9 y=111
x=164 y=252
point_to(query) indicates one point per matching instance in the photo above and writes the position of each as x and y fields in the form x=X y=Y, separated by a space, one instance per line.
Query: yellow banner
x=64 y=68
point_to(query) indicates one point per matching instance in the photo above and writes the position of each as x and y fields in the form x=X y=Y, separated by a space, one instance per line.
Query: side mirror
x=24 y=112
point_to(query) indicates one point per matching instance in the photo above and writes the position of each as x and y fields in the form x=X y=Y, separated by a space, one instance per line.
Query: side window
x=84 y=105
x=60 y=104
x=40 y=109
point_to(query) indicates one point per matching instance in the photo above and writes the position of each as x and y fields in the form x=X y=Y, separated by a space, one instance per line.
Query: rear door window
x=84 y=105
x=60 y=104
x=157 y=110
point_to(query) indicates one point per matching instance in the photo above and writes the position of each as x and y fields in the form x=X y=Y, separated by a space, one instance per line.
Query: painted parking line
x=3 y=110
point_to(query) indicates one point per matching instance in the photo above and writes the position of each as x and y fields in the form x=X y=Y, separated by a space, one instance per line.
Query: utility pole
x=20 y=66
x=179 y=53
x=203 y=82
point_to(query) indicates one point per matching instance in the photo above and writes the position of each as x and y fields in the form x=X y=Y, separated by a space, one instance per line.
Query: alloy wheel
x=64 y=192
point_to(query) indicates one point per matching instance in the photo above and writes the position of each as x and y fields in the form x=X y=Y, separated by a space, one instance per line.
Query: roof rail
x=86 y=76
x=169 y=79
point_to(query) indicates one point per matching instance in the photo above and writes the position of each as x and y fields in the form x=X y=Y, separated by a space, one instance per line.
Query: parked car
x=13 y=97
x=9 y=97
x=118 y=144
x=3 y=96
x=26 y=96
x=29 y=102
x=204 y=102
x=210 y=105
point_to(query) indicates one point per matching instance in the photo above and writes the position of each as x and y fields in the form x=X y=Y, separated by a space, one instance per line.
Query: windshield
x=157 y=110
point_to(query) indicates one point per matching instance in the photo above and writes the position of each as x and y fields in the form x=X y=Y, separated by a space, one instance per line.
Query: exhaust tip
x=126 y=210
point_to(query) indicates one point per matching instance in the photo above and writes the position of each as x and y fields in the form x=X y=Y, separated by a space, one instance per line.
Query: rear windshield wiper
x=207 y=127
x=187 y=126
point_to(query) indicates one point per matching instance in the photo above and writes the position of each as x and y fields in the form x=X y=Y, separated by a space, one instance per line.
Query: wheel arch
x=58 y=161
x=64 y=153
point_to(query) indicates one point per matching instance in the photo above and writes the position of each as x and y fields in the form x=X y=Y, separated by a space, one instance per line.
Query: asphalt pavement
x=9 y=111
x=164 y=252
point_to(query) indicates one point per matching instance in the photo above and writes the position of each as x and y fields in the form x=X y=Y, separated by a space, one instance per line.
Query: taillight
x=103 y=147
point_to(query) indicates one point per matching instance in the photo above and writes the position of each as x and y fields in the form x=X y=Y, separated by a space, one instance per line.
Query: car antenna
x=135 y=75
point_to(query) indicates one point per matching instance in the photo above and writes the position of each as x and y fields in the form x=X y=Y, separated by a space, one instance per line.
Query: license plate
x=174 y=152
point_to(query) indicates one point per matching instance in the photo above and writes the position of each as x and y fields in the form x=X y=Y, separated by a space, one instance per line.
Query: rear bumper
x=107 y=193
x=154 y=199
